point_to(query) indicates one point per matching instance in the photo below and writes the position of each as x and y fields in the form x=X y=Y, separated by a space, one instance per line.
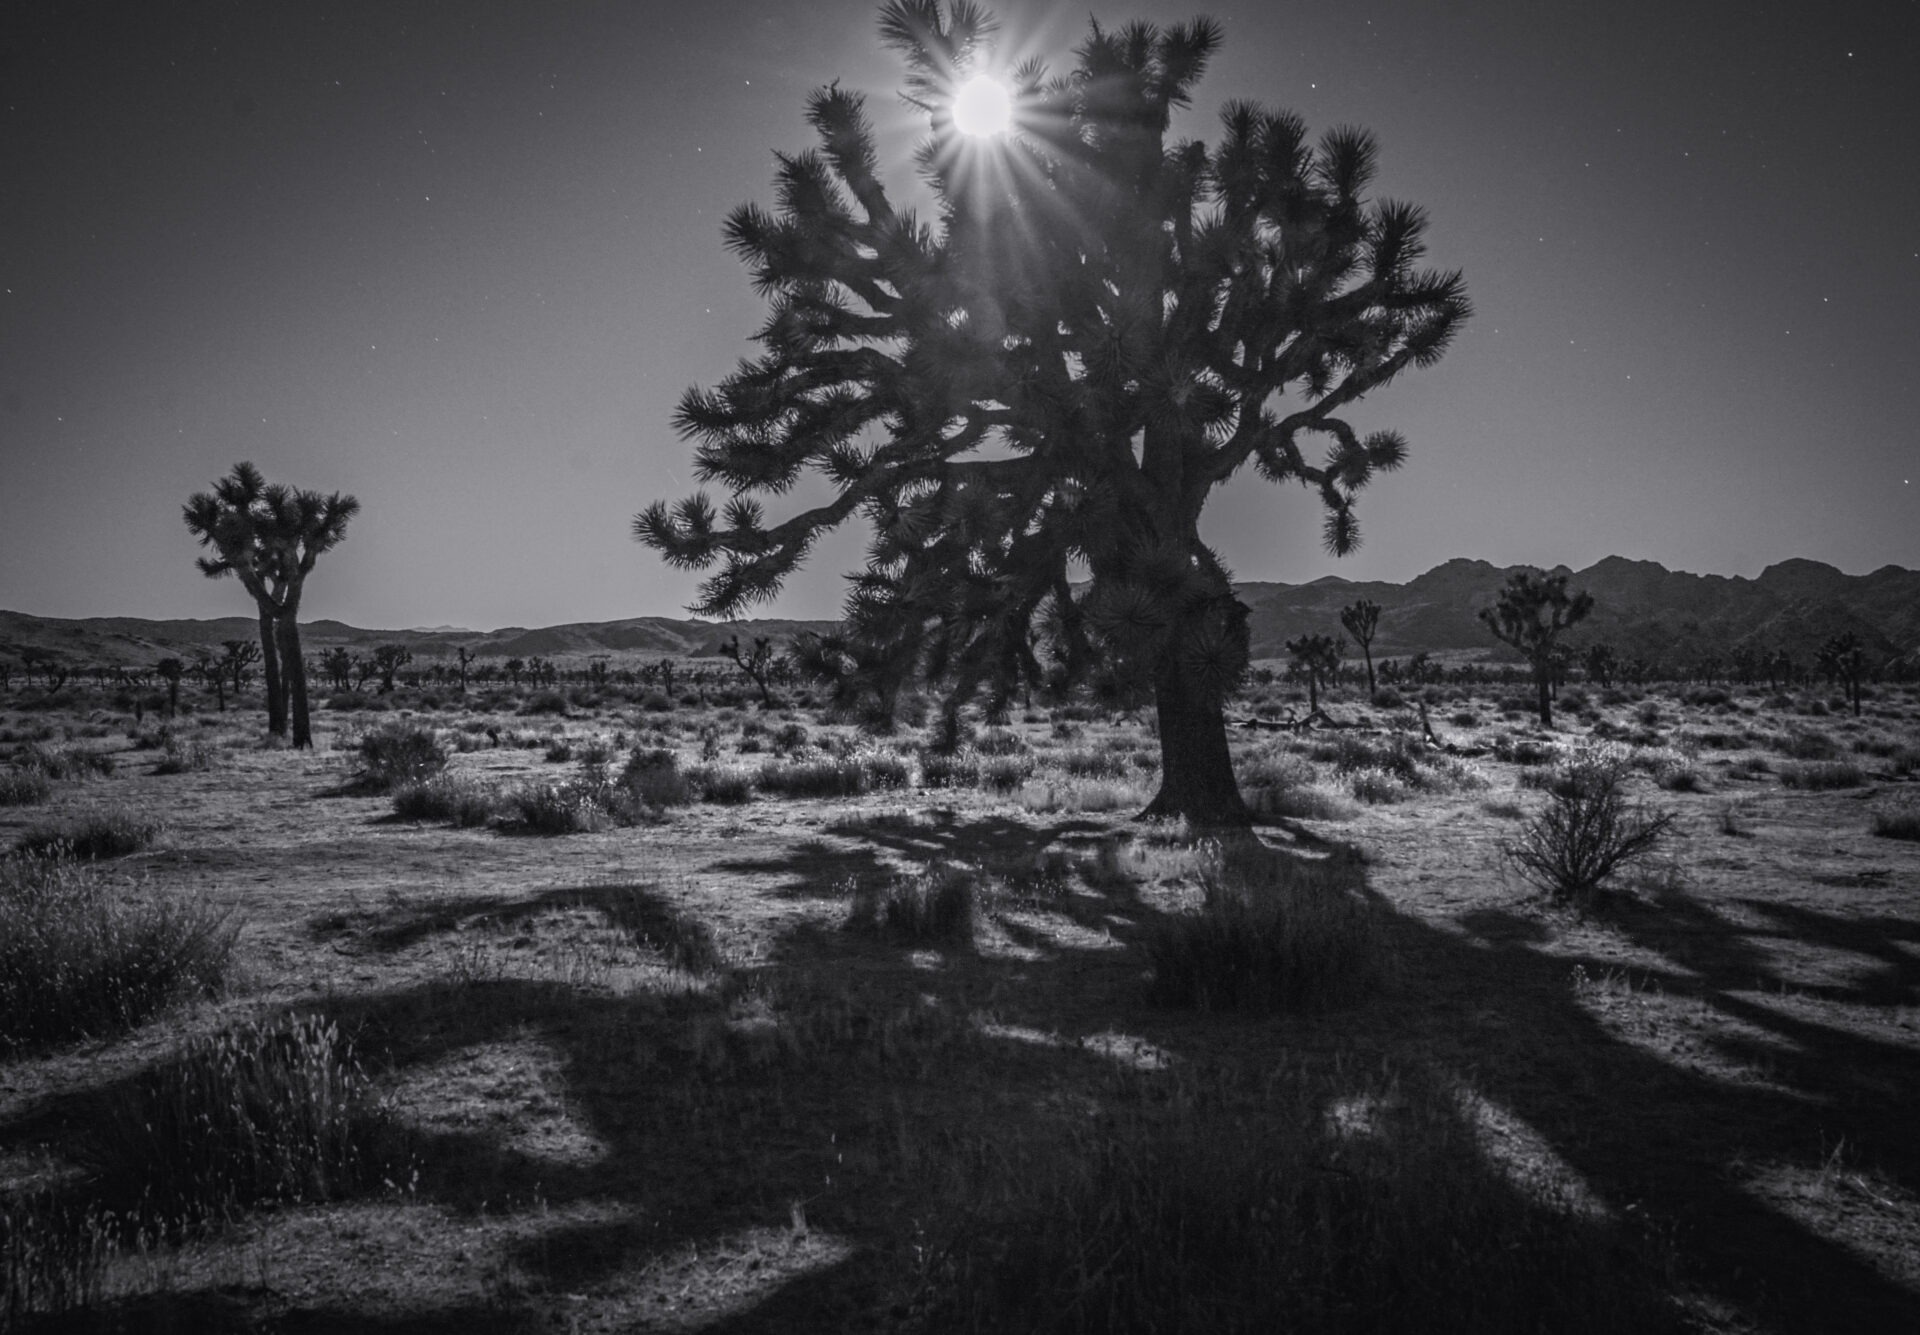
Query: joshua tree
x=465 y=656
x=239 y=655
x=1532 y=611
x=170 y=670
x=269 y=536
x=1318 y=657
x=1601 y=664
x=757 y=666
x=1843 y=659
x=337 y=663
x=387 y=660
x=1361 y=620
x=1102 y=327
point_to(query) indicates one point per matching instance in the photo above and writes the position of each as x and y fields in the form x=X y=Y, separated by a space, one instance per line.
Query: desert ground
x=801 y=1028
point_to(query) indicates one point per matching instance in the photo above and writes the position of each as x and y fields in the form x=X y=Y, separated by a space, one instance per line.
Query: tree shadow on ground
x=841 y=1079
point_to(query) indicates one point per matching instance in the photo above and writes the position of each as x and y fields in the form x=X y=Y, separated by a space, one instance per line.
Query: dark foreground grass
x=112 y=832
x=1274 y=932
x=1207 y=1205
x=79 y=957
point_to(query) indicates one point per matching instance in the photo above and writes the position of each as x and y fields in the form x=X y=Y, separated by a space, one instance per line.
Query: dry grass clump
x=1899 y=823
x=819 y=776
x=1274 y=933
x=933 y=906
x=1822 y=775
x=1045 y=796
x=24 y=788
x=189 y=756
x=575 y=807
x=108 y=832
x=459 y=799
x=272 y=1112
x=64 y=762
x=1588 y=830
x=78 y=957
x=1308 y=1203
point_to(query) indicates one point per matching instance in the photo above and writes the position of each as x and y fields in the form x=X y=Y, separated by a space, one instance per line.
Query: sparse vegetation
x=1587 y=832
x=110 y=832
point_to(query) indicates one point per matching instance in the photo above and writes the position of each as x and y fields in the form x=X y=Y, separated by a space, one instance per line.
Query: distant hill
x=1641 y=607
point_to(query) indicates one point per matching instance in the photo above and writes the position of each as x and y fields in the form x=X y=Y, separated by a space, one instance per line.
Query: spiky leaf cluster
x=1100 y=328
x=266 y=534
x=1532 y=610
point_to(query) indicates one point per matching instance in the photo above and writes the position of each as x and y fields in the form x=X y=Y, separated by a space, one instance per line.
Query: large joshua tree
x=1031 y=398
x=269 y=535
x=1530 y=613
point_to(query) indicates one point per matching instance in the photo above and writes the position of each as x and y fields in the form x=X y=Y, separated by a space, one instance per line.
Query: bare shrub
x=396 y=752
x=1587 y=831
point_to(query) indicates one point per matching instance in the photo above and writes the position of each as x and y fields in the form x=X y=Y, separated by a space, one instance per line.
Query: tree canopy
x=1031 y=397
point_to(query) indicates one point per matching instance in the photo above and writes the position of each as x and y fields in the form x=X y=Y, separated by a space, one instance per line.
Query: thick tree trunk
x=270 y=674
x=1196 y=772
x=1373 y=688
x=294 y=671
x=1543 y=676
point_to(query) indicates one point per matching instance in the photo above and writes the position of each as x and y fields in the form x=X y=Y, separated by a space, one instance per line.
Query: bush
x=110 y=833
x=559 y=751
x=80 y=959
x=1900 y=824
x=940 y=769
x=1820 y=775
x=397 y=752
x=827 y=776
x=1587 y=831
x=458 y=798
x=1003 y=774
x=270 y=1112
x=723 y=785
x=24 y=788
x=1809 y=746
x=935 y=906
x=1274 y=933
x=557 y=808
x=64 y=762
x=183 y=757
x=545 y=702
x=653 y=779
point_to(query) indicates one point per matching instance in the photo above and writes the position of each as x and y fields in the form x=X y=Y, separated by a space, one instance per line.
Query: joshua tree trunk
x=295 y=677
x=270 y=673
x=1543 y=679
x=1196 y=772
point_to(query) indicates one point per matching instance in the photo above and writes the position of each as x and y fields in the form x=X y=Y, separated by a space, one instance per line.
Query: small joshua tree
x=757 y=665
x=1362 y=619
x=1601 y=664
x=170 y=670
x=1532 y=611
x=1318 y=657
x=465 y=657
x=1844 y=660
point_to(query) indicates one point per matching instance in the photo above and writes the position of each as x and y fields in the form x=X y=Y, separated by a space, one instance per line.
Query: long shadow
x=708 y=1123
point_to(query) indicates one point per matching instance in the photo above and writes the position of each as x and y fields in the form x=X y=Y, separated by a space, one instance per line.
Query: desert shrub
x=1707 y=697
x=187 y=756
x=723 y=785
x=1388 y=698
x=653 y=779
x=1680 y=775
x=1587 y=831
x=1803 y=745
x=1274 y=933
x=656 y=702
x=788 y=738
x=458 y=798
x=1378 y=787
x=1003 y=774
x=1574 y=700
x=1903 y=762
x=933 y=906
x=545 y=702
x=1523 y=750
x=78 y=957
x=884 y=769
x=1333 y=1203
x=825 y=776
x=1298 y=802
x=596 y=752
x=1464 y=718
x=64 y=762
x=24 y=788
x=1084 y=762
x=396 y=752
x=557 y=808
x=1076 y=795
x=1899 y=823
x=110 y=832
x=559 y=751
x=274 y=1111
x=944 y=769
x=1821 y=775
x=1000 y=742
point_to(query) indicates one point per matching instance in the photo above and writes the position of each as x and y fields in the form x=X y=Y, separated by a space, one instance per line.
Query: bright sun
x=982 y=106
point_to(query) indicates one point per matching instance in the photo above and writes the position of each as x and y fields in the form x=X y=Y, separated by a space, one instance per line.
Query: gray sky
x=461 y=259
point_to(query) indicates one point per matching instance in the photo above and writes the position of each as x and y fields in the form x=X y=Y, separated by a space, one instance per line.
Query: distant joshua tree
x=1318 y=657
x=1361 y=620
x=269 y=535
x=1601 y=664
x=171 y=670
x=757 y=665
x=387 y=660
x=1843 y=659
x=1532 y=611
x=465 y=656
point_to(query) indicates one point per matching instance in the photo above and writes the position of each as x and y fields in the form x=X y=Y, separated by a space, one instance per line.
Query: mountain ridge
x=1641 y=607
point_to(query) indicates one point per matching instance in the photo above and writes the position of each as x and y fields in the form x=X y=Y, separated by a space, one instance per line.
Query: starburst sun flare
x=982 y=106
